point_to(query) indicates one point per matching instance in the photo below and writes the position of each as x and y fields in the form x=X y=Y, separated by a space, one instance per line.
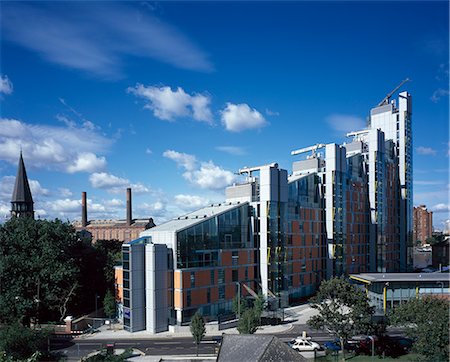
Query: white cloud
x=114 y=203
x=191 y=201
x=7 y=188
x=103 y=180
x=64 y=192
x=60 y=148
x=65 y=36
x=240 y=117
x=115 y=184
x=272 y=113
x=6 y=86
x=232 y=150
x=427 y=151
x=87 y=162
x=441 y=208
x=168 y=104
x=345 y=123
x=205 y=175
x=189 y=162
x=438 y=94
x=210 y=176
x=148 y=151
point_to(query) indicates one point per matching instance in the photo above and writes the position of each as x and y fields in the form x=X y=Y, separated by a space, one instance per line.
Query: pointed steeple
x=22 y=200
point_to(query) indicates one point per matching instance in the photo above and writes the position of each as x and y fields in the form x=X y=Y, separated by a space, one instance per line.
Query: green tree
x=343 y=309
x=426 y=321
x=248 y=323
x=38 y=274
x=109 y=304
x=238 y=305
x=19 y=342
x=258 y=305
x=198 y=329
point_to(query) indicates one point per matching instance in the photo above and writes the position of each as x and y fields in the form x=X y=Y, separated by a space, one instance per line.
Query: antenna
x=386 y=99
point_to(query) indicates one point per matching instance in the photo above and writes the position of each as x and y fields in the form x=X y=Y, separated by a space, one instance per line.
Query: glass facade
x=198 y=246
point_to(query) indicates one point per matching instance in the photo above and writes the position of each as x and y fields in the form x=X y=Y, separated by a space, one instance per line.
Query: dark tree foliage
x=343 y=309
x=427 y=322
x=47 y=271
x=198 y=329
x=19 y=342
x=38 y=273
x=249 y=322
x=109 y=304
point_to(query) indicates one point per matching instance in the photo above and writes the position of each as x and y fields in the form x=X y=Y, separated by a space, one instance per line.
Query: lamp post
x=96 y=298
x=239 y=299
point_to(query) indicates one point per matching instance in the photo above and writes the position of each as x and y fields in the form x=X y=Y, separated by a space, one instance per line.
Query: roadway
x=75 y=349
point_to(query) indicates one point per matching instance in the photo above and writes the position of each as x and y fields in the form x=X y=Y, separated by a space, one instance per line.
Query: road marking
x=162 y=343
x=127 y=344
x=208 y=342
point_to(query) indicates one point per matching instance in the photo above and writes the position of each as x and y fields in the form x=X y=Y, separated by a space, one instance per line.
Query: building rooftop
x=115 y=223
x=256 y=347
x=400 y=277
x=193 y=218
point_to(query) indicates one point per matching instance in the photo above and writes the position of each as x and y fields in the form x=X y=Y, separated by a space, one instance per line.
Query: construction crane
x=388 y=97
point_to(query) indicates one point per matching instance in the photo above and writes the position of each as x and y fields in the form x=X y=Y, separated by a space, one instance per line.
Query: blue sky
x=172 y=98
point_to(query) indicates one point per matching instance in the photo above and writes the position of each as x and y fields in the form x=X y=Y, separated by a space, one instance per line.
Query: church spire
x=22 y=200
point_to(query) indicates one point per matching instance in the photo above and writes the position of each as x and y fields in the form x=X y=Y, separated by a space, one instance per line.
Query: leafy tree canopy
x=38 y=272
x=426 y=320
x=109 y=304
x=18 y=342
x=343 y=309
x=249 y=322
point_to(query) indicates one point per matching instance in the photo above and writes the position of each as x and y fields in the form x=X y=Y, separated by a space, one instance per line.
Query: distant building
x=121 y=230
x=22 y=200
x=388 y=290
x=440 y=254
x=422 y=223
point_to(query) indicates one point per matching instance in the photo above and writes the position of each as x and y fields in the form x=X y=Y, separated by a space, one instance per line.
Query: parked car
x=303 y=345
x=332 y=345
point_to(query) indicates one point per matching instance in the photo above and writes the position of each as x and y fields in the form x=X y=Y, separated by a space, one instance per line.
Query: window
x=235 y=257
x=212 y=277
x=192 y=279
x=235 y=275
x=221 y=291
x=188 y=298
x=246 y=273
x=221 y=278
x=208 y=295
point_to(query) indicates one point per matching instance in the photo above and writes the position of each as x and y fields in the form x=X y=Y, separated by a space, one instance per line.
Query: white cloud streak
x=168 y=104
x=345 y=123
x=205 y=175
x=438 y=94
x=66 y=149
x=232 y=150
x=6 y=86
x=114 y=184
x=426 y=151
x=96 y=37
x=240 y=117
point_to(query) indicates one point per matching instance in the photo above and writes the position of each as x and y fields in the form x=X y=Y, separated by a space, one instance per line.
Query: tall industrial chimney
x=129 y=217
x=83 y=209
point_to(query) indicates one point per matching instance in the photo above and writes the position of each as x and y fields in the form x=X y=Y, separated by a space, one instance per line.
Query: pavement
x=293 y=315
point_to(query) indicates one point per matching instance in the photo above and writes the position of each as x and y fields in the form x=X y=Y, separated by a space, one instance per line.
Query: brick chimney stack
x=83 y=209
x=129 y=216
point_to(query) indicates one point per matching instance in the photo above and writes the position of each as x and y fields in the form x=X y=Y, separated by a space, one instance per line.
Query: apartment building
x=343 y=209
x=422 y=224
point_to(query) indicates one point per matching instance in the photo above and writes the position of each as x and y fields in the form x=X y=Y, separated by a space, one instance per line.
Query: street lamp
x=239 y=299
x=442 y=287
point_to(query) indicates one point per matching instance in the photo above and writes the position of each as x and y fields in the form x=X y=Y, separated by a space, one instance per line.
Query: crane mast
x=388 y=97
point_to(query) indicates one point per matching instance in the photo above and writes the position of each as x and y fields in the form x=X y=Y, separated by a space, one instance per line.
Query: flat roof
x=400 y=277
x=193 y=218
